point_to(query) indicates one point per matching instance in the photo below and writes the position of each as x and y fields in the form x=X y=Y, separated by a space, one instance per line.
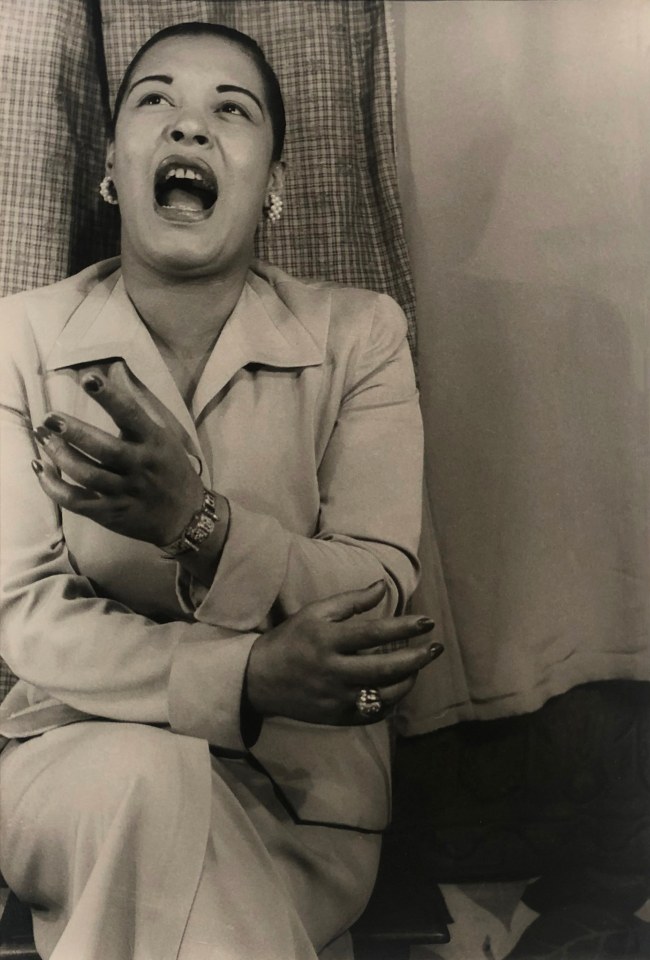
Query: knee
x=115 y=791
x=80 y=779
x=126 y=760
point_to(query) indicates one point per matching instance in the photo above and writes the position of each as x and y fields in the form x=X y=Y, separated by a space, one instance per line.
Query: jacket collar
x=262 y=329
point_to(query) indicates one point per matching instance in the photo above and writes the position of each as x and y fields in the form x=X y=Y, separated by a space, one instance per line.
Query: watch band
x=197 y=530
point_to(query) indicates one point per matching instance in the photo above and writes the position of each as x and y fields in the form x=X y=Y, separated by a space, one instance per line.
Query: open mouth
x=184 y=190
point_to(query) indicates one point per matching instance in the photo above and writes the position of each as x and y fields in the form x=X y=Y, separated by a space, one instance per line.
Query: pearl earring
x=108 y=192
x=273 y=207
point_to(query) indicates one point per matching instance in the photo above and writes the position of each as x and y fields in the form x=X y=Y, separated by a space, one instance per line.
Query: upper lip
x=207 y=178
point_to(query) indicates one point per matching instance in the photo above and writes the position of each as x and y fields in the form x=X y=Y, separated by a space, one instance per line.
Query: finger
x=65 y=495
x=118 y=395
x=111 y=452
x=392 y=668
x=77 y=466
x=392 y=694
x=342 y=606
x=149 y=402
x=365 y=634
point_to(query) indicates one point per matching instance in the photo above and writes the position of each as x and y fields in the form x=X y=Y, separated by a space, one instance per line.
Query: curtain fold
x=52 y=153
x=525 y=191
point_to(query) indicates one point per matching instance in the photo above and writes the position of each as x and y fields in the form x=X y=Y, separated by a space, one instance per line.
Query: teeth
x=183 y=173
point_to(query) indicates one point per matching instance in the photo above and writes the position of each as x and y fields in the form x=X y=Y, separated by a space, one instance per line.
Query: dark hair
x=272 y=91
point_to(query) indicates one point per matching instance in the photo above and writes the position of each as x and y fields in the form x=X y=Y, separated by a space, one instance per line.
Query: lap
x=111 y=819
x=162 y=801
x=72 y=781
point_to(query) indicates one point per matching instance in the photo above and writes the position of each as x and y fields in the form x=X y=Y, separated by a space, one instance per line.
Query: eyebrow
x=231 y=88
x=157 y=77
x=222 y=88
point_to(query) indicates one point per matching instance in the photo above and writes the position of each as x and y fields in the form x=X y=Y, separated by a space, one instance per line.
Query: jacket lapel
x=262 y=329
x=106 y=325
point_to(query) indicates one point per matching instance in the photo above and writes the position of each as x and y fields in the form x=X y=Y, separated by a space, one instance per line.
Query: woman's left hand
x=140 y=484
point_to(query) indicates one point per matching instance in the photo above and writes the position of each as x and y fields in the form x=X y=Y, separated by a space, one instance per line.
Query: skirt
x=134 y=843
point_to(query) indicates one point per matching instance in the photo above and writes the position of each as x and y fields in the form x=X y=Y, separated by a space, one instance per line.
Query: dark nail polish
x=435 y=650
x=92 y=383
x=426 y=623
x=42 y=434
x=54 y=423
x=37 y=466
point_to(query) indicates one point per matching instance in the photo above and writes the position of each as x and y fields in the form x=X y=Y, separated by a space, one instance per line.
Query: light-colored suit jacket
x=306 y=417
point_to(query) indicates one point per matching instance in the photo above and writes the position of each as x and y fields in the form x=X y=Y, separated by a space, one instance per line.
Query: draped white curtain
x=525 y=177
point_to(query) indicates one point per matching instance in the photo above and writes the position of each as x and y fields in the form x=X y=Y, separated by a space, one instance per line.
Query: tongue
x=182 y=199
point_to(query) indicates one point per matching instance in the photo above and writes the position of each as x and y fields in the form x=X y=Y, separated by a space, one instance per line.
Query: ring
x=369 y=702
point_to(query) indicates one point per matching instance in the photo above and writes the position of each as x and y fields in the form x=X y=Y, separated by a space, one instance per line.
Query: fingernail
x=435 y=650
x=42 y=434
x=54 y=423
x=37 y=466
x=426 y=623
x=91 y=383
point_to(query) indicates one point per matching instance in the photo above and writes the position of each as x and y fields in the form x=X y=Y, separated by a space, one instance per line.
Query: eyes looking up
x=227 y=107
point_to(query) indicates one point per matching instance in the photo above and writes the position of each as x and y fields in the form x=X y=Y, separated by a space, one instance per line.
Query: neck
x=185 y=315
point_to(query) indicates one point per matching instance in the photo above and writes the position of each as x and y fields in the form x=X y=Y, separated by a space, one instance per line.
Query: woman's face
x=191 y=159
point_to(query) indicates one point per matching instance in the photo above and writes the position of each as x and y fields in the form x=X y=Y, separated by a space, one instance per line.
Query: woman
x=221 y=522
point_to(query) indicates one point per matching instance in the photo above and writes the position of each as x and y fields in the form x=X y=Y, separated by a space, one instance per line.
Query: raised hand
x=313 y=666
x=140 y=484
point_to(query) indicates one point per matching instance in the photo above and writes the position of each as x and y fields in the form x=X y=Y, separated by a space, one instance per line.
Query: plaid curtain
x=61 y=61
x=60 y=65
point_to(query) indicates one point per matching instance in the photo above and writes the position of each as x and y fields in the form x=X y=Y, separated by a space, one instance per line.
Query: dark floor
x=552 y=921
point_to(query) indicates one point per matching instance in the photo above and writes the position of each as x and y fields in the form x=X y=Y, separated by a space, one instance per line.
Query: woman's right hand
x=313 y=665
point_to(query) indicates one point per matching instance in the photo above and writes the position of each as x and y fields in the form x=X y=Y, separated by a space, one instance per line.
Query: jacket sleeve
x=74 y=647
x=370 y=501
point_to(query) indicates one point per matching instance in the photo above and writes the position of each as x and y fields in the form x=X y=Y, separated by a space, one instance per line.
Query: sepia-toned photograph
x=325 y=480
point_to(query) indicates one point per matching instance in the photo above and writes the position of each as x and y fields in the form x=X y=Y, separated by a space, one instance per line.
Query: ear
x=276 y=177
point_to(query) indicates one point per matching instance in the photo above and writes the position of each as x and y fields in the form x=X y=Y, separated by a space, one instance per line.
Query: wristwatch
x=197 y=530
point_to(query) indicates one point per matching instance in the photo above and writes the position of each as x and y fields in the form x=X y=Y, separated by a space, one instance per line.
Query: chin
x=185 y=262
x=178 y=255
x=186 y=249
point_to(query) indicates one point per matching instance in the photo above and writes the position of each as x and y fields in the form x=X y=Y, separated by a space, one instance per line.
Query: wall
x=523 y=145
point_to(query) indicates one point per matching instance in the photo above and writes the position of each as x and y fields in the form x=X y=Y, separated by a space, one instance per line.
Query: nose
x=189 y=129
